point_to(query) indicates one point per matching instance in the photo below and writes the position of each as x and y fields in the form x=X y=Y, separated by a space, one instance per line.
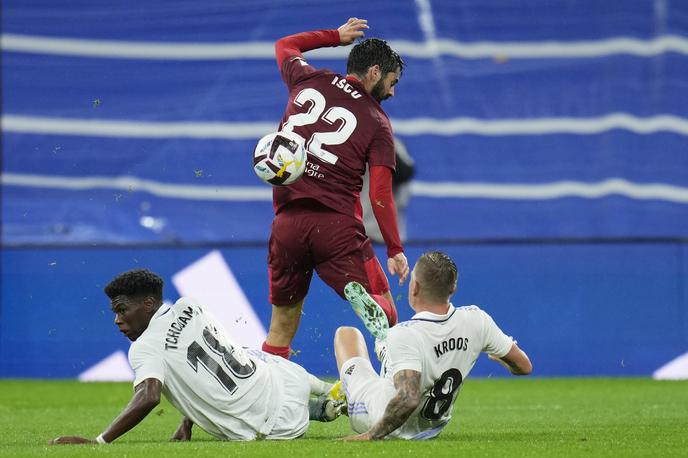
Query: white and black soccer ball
x=279 y=158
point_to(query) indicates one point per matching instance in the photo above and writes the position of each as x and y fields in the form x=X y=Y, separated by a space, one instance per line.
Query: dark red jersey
x=343 y=128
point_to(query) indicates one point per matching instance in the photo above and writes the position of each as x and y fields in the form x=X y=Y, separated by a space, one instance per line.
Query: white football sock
x=319 y=387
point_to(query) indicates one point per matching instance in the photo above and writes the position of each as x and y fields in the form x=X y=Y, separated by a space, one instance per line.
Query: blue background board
x=557 y=179
x=496 y=20
x=577 y=309
x=637 y=81
x=247 y=90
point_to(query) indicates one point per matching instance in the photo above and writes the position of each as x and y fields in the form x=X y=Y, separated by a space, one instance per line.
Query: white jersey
x=444 y=349
x=208 y=377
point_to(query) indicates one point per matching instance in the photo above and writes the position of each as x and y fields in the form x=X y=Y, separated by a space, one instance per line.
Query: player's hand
x=357 y=437
x=71 y=440
x=354 y=28
x=183 y=433
x=398 y=265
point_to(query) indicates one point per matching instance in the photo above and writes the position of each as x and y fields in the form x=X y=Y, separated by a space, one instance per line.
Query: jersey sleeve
x=403 y=351
x=496 y=342
x=289 y=53
x=381 y=149
x=146 y=362
x=384 y=208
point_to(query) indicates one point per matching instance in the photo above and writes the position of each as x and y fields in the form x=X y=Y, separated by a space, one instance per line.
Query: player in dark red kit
x=318 y=224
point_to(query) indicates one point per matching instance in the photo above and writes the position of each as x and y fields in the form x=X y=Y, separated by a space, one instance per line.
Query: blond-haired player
x=424 y=360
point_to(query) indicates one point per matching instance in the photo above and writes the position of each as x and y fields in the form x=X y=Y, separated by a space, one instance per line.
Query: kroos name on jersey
x=460 y=343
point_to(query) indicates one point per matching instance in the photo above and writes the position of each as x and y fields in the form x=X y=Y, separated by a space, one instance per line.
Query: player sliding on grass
x=424 y=360
x=182 y=352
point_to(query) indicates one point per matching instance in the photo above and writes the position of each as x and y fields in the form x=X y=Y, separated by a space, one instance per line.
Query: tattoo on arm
x=401 y=406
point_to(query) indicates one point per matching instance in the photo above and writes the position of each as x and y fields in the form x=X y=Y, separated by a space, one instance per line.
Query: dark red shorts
x=307 y=236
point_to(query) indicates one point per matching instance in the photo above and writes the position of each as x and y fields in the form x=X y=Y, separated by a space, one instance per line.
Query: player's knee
x=347 y=334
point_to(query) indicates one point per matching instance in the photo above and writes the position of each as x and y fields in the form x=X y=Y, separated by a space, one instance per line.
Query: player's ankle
x=387 y=307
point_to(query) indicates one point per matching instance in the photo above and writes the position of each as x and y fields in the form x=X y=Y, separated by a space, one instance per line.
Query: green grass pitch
x=492 y=417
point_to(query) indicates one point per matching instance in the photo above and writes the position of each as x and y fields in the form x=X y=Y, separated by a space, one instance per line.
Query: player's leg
x=368 y=309
x=290 y=269
x=283 y=325
x=343 y=253
x=379 y=288
x=329 y=401
x=317 y=387
x=387 y=296
x=377 y=311
x=367 y=394
x=291 y=419
x=349 y=343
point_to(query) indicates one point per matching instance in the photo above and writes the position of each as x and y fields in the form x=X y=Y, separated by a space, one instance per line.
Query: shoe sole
x=369 y=311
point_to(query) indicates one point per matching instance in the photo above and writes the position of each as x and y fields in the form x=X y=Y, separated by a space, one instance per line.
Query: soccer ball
x=279 y=158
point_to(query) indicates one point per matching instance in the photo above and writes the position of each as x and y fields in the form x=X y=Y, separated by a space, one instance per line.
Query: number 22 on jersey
x=316 y=109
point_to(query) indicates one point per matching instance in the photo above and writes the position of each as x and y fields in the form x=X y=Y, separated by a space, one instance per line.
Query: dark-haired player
x=424 y=360
x=318 y=224
x=182 y=352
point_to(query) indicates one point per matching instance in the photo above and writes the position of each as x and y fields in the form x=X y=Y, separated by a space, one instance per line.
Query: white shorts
x=367 y=393
x=291 y=381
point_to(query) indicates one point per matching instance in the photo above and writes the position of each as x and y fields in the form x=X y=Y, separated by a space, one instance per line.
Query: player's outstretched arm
x=400 y=407
x=516 y=361
x=295 y=45
x=384 y=209
x=146 y=397
x=183 y=432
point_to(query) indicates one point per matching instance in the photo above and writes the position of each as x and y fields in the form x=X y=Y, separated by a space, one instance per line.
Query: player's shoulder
x=475 y=318
x=144 y=346
x=185 y=300
x=404 y=330
x=404 y=337
x=187 y=305
x=301 y=70
x=469 y=309
x=383 y=127
x=471 y=312
x=405 y=325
